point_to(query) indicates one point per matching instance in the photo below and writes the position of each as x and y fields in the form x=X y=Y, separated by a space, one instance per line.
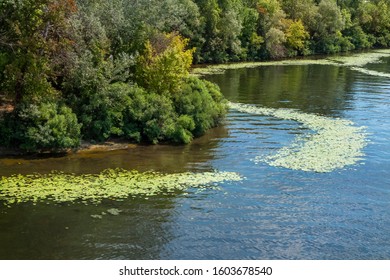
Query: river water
x=274 y=213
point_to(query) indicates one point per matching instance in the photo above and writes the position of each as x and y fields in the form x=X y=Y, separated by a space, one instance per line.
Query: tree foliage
x=164 y=64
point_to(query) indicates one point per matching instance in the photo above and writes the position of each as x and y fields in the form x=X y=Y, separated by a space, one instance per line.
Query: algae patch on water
x=371 y=72
x=354 y=60
x=109 y=184
x=335 y=144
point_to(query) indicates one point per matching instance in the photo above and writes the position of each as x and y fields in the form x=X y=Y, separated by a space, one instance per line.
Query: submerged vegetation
x=335 y=144
x=111 y=184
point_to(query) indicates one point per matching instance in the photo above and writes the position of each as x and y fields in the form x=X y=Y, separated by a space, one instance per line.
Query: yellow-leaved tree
x=296 y=35
x=164 y=64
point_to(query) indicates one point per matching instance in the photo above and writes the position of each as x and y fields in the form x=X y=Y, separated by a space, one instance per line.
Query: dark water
x=275 y=213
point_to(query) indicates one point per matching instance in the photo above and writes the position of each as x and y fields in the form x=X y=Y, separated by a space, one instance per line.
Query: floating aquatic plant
x=371 y=72
x=221 y=68
x=111 y=184
x=336 y=143
x=356 y=60
x=361 y=59
x=114 y=211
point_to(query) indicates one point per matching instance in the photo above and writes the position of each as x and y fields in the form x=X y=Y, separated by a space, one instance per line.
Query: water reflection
x=163 y=158
x=383 y=65
x=276 y=213
x=320 y=89
x=140 y=231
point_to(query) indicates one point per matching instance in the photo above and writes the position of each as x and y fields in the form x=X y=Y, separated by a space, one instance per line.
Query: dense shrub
x=97 y=101
x=44 y=127
x=202 y=102
x=150 y=117
x=188 y=113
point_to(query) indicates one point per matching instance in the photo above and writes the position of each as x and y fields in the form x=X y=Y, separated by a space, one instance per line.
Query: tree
x=35 y=37
x=374 y=19
x=36 y=42
x=164 y=63
x=250 y=41
x=272 y=27
x=330 y=23
x=222 y=29
x=296 y=36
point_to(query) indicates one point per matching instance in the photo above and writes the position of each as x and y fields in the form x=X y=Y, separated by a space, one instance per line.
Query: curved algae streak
x=336 y=143
x=113 y=184
x=371 y=72
x=354 y=60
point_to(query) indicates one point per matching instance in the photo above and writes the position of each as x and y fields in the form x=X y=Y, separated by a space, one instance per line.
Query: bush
x=102 y=113
x=44 y=127
x=97 y=101
x=150 y=118
x=203 y=102
x=191 y=111
x=183 y=129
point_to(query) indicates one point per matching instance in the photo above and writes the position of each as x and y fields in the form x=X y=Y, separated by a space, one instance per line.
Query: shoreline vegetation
x=354 y=61
x=69 y=74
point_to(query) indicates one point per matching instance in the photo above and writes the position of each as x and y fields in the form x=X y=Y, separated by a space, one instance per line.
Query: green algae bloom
x=109 y=184
x=355 y=60
x=221 y=68
x=360 y=59
x=371 y=72
x=335 y=144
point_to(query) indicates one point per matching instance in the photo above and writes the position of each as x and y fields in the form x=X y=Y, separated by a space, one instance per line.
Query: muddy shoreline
x=85 y=147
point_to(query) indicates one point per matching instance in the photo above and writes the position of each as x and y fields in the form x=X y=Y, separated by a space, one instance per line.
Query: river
x=275 y=212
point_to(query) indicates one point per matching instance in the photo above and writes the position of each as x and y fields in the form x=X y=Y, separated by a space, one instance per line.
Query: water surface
x=275 y=213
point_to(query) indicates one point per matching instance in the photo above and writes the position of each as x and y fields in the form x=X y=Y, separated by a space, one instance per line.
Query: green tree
x=35 y=40
x=222 y=29
x=250 y=41
x=374 y=18
x=330 y=23
x=34 y=36
x=272 y=27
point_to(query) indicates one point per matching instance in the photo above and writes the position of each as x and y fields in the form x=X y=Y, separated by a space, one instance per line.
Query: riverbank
x=353 y=60
x=85 y=147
